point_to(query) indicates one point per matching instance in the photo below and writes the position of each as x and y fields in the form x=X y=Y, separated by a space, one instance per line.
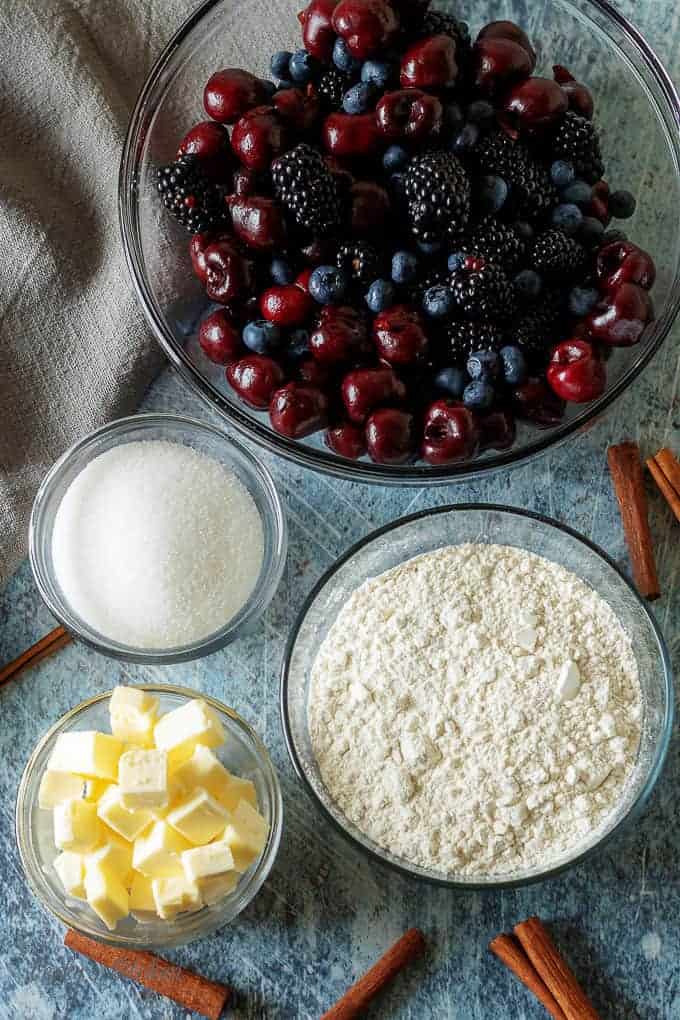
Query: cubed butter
x=71 y=870
x=56 y=787
x=143 y=778
x=128 y=824
x=107 y=895
x=246 y=835
x=204 y=861
x=141 y=894
x=199 y=817
x=216 y=887
x=133 y=715
x=172 y=896
x=205 y=769
x=76 y=826
x=157 y=854
x=114 y=857
x=95 y=788
x=178 y=732
x=237 y=789
x=87 y=753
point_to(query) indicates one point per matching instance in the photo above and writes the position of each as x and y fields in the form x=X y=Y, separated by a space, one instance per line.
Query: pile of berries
x=407 y=235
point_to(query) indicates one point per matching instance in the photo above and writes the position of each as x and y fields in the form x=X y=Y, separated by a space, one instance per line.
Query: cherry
x=367 y=26
x=255 y=378
x=259 y=137
x=370 y=208
x=318 y=33
x=312 y=372
x=390 y=436
x=297 y=410
x=450 y=433
x=244 y=182
x=347 y=440
x=534 y=401
x=341 y=335
x=258 y=221
x=197 y=247
x=562 y=75
x=535 y=103
x=351 y=137
x=509 y=30
x=229 y=93
x=209 y=141
x=300 y=110
x=497 y=431
x=366 y=388
x=624 y=262
x=303 y=278
x=219 y=338
x=430 y=63
x=598 y=208
x=498 y=63
x=620 y=318
x=229 y=273
x=286 y=305
x=576 y=373
x=399 y=336
x=409 y=114
x=580 y=99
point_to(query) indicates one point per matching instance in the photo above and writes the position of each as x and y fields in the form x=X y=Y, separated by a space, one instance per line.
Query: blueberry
x=579 y=193
x=279 y=64
x=453 y=119
x=455 y=261
x=480 y=111
x=613 y=236
x=343 y=59
x=281 y=272
x=359 y=99
x=567 y=217
x=514 y=365
x=298 y=344
x=582 y=300
x=303 y=67
x=562 y=174
x=404 y=267
x=483 y=365
x=396 y=158
x=327 y=285
x=528 y=284
x=493 y=191
x=261 y=336
x=466 y=139
x=451 y=380
x=479 y=395
x=378 y=73
x=622 y=204
x=592 y=231
x=380 y=296
x=429 y=247
x=524 y=229
x=439 y=302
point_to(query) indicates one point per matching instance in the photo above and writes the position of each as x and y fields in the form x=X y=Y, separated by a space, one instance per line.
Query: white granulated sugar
x=156 y=544
x=476 y=710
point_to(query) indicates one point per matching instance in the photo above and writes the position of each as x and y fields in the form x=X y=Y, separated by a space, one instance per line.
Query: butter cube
x=157 y=855
x=178 y=732
x=143 y=778
x=204 y=861
x=172 y=896
x=246 y=835
x=95 y=788
x=141 y=894
x=199 y=818
x=87 y=753
x=115 y=857
x=56 y=787
x=133 y=715
x=237 y=789
x=71 y=870
x=107 y=895
x=216 y=887
x=76 y=826
x=206 y=770
x=128 y=824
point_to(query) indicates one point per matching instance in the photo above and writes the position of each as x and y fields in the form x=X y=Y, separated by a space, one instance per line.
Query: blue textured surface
x=327 y=913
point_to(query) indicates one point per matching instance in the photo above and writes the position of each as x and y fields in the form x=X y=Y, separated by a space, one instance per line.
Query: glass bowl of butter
x=148 y=816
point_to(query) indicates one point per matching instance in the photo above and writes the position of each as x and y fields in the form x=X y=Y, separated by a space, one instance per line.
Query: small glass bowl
x=479 y=523
x=243 y=753
x=206 y=439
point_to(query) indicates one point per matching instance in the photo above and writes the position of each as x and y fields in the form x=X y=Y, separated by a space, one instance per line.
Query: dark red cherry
x=299 y=109
x=399 y=335
x=229 y=93
x=303 y=278
x=562 y=75
x=535 y=103
x=497 y=430
x=219 y=338
x=409 y=114
x=367 y=26
x=229 y=273
x=209 y=142
x=255 y=379
x=576 y=373
x=508 y=30
x=499 y=63
x=534 y=401
x=390 y=436
x=312 y=373
x=197 y=248
x=580 y=99
x=340 y=336
x=450 y=433
x=620 y=318
x=259 y=137
x=623 y=262
x=258 y=221
x=244 y=182
x=352 y=137
x=370 y=208
x=347 y=440
x=286 y=306
x=297 y=410
x=367 y=388
x=430 y=63
x=318 y=33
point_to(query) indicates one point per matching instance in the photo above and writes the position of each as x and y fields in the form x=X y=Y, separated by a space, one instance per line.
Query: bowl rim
x=273 y=519
x=258 y=876
x=320 y=459
x=663 y=742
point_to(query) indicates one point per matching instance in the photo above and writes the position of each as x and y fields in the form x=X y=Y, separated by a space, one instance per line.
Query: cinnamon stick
x=409 y=947
x=52 y=642
x=190 y=990
x=554 y=970
x=626 y=471
x=668 y=463
x=665 y=470
x=510 y=952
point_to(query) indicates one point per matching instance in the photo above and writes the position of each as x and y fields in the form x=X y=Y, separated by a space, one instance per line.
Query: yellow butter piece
x=56 y=787
x=71 y=870
x=216 y=887
x=199 y=817
x=107 y=895
x=246 y=835
x=205 y=769
x=128 y=824
x=76 y=826
x=115 y=858
x=175 y=895
x=141 y=894
x=178 y=732
x=95 y=788
x=133 y=714
x=86 y=753
x=237 y=789
x=204 y=861
x=143 y=778
x=157 y=854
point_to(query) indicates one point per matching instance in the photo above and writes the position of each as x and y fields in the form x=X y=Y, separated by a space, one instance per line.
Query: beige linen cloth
x=74 y=351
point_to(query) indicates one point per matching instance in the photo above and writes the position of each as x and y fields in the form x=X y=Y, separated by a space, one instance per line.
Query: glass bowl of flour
x=157 y=539
x=476 y=696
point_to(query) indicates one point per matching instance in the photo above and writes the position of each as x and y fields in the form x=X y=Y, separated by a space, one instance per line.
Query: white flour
x=476 y=710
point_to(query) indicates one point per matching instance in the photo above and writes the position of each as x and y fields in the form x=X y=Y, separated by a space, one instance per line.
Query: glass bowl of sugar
x=157 y=539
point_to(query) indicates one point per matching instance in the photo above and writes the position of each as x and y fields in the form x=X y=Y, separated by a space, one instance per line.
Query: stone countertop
x=327 y=913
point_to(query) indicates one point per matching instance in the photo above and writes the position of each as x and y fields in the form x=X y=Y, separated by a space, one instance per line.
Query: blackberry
x=436 y=23
x=483 y=292
x=193 y=200
x=532 y=193
x=308 y=190
x=331 y=88
x=576 y=141
x=556 y=256
x=461 y=339
x=498 y=242
x=360 y=261
x=436 y=276
x=537 y=331
x=438 y=195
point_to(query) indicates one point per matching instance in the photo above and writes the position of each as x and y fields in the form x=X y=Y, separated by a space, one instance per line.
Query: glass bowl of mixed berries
x=403 y=241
